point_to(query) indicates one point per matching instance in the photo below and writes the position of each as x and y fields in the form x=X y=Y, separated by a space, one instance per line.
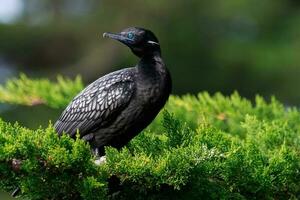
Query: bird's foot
x=100 y=161
x=16 y=192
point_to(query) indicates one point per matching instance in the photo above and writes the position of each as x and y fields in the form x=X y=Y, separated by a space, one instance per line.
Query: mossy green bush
x=26 y=91
x=199 y=147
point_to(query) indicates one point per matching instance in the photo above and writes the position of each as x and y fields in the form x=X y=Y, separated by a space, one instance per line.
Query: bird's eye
x=130 y=35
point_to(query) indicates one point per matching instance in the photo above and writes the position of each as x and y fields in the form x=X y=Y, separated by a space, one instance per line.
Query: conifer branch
x=202 y=147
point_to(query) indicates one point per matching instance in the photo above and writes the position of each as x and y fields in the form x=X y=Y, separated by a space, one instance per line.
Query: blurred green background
x=5 y=196
x=251 y=46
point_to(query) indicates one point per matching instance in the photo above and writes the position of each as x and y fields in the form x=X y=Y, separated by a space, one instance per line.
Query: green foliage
x=200 y=147
x=49 y=167
x=40 y=91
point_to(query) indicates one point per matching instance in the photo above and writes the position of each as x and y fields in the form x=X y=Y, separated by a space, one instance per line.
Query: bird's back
x=98 y=103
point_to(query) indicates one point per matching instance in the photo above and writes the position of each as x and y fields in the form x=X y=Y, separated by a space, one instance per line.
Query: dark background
x=251 y=46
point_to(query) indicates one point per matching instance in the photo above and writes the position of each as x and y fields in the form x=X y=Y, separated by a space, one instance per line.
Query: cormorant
x=116 y=107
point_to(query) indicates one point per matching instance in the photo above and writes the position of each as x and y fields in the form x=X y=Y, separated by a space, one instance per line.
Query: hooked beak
x=119 y=37
x=113 y=36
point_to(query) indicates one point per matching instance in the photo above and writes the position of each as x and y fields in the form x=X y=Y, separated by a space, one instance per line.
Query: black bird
x=116 y=107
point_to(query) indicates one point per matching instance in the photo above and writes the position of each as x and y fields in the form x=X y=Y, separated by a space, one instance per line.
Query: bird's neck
x=151 y=61
x=151 y=68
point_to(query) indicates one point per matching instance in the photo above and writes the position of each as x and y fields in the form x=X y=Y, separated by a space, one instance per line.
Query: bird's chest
x=150 y=91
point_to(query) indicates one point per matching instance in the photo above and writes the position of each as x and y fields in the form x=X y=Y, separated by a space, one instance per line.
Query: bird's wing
x=97 y=104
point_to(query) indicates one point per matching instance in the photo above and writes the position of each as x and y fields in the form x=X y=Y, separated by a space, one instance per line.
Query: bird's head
x=141 y=41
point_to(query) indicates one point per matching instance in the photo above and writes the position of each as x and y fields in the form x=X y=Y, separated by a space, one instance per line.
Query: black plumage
x=116 y=107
